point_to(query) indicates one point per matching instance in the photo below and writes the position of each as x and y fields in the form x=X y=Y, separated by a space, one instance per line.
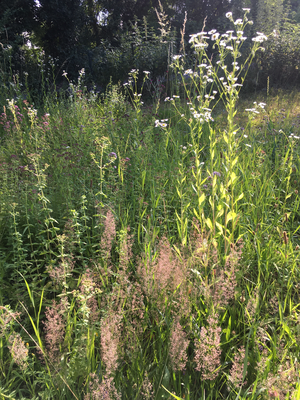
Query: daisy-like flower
x=212 y=31
x=238 y=22
x=260 y=38
x=161 y=123
x=215 y=36
x=228 y=15
x=177 y=57
x=246 y=10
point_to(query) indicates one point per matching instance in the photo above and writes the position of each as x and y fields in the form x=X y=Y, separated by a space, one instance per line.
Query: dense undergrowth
x=151 y=251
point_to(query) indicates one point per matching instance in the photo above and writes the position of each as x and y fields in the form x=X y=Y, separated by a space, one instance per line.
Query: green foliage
x=151 y=251
x=281 y=59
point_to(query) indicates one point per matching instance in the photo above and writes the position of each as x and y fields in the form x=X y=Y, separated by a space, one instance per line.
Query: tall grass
x=152 y=251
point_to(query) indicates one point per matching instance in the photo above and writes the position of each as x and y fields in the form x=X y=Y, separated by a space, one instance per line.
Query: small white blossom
x=262 y=105
x=228 y=15
x=161 y=123
x=238 y=22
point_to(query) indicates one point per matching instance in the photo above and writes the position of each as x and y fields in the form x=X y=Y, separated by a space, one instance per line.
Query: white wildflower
x=262 y=105
x=201 y=45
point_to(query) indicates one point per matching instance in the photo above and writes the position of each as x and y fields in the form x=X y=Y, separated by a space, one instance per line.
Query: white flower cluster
x=161 y=123
x=198 y=37
x=261 y=37
x=292 y=136
x=254 y=110
x=203 y=115
x=172 y=98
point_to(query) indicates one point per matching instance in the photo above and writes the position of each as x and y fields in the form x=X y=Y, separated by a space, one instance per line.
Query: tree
x=60 y=25
x=17 y=17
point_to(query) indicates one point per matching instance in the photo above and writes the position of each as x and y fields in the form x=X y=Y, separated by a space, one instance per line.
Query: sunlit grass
x=145 y=253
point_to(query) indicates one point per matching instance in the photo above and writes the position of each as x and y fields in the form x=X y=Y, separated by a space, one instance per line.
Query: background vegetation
x=109 y=38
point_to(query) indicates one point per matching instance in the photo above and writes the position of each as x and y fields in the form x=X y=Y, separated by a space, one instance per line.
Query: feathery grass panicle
x=236 y=374
x=207 y=349
x=178 y=347
x=105 y=390
x=54 y=327
x=110 y=342
x=18 y=350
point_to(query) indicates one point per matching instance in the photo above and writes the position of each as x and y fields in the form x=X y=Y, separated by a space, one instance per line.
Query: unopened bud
x=285 y=237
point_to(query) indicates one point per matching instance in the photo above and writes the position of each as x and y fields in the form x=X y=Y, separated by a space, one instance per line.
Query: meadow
x=151 y=250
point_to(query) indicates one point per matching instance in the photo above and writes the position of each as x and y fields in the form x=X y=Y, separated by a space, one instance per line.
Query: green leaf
x=220 y=227
x=209 y=223
x=231 y=216
x=173 y=395
x=239 y=198
x=201 y=199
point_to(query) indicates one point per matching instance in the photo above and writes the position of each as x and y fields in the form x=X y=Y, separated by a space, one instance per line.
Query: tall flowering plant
x=214 y=79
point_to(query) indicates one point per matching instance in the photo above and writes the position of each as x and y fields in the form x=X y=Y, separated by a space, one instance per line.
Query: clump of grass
x=151 y=252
